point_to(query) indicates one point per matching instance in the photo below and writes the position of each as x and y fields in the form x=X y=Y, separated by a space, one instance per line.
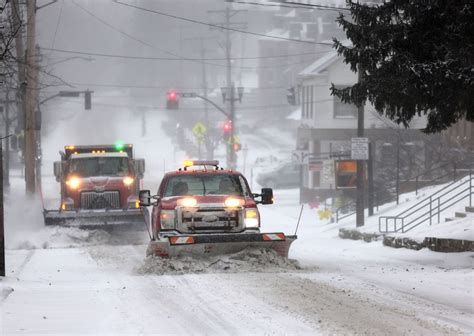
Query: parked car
x=286 y=175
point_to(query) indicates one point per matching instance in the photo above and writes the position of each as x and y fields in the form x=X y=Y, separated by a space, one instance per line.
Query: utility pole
x=6 y=117
x=31 y=98
x=230 y=88
x=2 y=218
x=207 y=140
x=360 y=163
x=231 y=157
x=20 y=54
x=204 y=85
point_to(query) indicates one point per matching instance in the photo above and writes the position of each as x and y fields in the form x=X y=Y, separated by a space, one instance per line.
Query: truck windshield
x=99 y=166
x=201 y=184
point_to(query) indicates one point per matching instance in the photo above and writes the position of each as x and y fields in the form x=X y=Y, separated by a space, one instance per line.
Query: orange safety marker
x=181 y=240
x=274 y=236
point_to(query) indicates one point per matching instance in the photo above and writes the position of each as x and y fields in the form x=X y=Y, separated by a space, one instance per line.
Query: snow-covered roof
x=323 y=62
x=295 y=115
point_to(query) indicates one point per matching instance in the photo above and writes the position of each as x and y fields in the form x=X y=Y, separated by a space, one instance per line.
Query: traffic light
x=87 y=100
x=227 y=126
x=291 y=95
x=236 y=147
x=227 y=129
x=172 y=100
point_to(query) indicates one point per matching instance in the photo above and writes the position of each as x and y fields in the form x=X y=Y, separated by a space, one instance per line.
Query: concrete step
x=448 y=219
x=469 y=209
x=460 y=214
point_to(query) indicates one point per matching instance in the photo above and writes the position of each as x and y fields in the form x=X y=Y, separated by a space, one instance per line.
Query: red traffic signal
x=227 y=126
x=172 y=102
x=172 y=95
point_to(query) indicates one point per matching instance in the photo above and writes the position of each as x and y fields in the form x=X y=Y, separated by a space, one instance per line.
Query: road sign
x=235 y=140
x=199 y=130
x=360 y=148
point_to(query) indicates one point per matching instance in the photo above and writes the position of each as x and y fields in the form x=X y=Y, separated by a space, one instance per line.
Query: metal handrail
x=415 y=178
x=436 y=206
x=437 y=192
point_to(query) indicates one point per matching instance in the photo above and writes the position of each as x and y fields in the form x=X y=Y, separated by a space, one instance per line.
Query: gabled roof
x=323 y=62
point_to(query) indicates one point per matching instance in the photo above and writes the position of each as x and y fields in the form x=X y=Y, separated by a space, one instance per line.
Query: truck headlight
x=127 y=180
x=167 y=219
x=233 y=202
x=73 y=182
x=252 y=218
x=187 y=202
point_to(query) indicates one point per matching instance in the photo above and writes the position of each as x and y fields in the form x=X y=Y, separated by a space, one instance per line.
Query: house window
x=343 y=110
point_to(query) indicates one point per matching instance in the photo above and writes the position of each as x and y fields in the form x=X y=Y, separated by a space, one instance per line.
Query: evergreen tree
x=416 y=58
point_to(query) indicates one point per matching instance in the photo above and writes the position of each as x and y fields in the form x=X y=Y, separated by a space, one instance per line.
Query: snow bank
x=462 y=229
x=249 y=260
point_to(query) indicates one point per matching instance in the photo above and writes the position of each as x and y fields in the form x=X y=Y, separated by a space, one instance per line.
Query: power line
x=296 y=5
x=111 y=26
x=57 y=25
x=315 y=6
x=177 y=58
x=219 y=26
x=133 y=86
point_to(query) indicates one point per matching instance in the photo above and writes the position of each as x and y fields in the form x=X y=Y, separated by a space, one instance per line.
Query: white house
x=327 y=125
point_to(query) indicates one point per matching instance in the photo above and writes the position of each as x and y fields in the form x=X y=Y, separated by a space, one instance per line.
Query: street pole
x=370 y=174
x=20 y=55
x=7 y=140
x=2 y=218
x=397 y=186
x=229 y=13
x=38 y=116
x=360 y=163
x=230 y=87
x=207 y=140
x=31 y=98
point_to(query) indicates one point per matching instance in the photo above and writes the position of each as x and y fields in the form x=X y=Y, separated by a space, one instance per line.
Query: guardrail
x=431 y=207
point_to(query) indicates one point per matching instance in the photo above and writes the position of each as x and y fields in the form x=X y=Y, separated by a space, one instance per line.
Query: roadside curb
x=434 y=244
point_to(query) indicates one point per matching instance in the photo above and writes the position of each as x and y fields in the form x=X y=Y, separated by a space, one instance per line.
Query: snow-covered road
x=82 y=285
x=96 y=290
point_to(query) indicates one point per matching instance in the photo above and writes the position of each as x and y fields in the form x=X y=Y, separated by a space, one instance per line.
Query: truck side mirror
x=139 y=167
x=267 y=196
x=58 y=170
x=145 y=198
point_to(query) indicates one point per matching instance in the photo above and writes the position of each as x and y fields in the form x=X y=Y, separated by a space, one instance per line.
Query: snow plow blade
x=217 y=244
x=130 y=219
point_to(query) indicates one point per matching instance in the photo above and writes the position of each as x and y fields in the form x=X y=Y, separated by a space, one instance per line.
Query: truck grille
x=209 y=219
x=102 y=200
